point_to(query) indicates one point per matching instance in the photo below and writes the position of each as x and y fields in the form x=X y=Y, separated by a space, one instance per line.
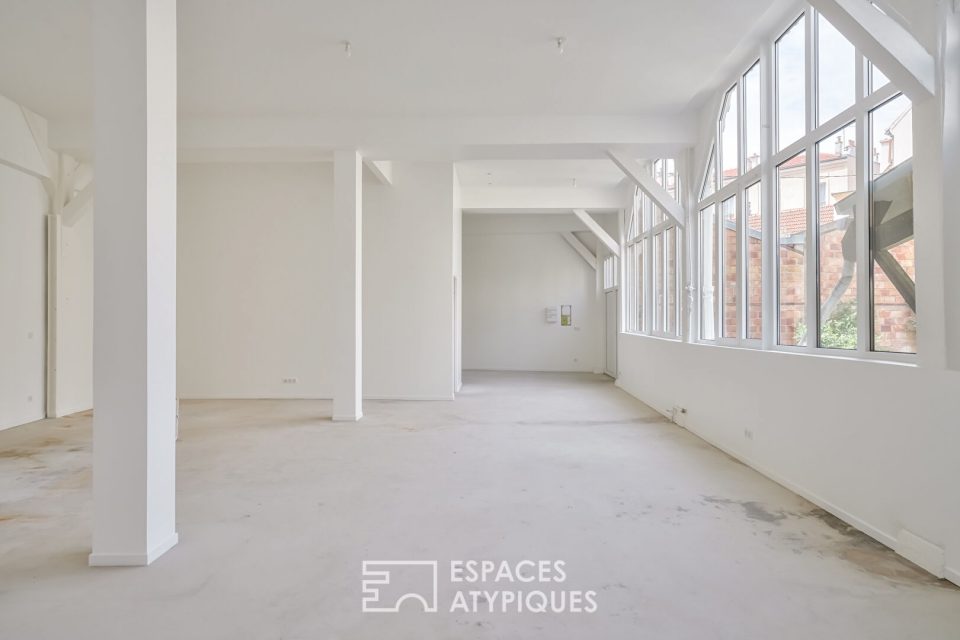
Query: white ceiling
x=539 y=173
x=410 y=57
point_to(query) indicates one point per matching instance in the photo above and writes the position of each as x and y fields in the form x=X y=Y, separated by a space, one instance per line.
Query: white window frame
x=766 y=173
x=644 y=241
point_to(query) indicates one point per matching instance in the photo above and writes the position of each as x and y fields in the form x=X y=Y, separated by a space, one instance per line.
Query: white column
x=950 y=170
x=134 y=363
x=348 y=237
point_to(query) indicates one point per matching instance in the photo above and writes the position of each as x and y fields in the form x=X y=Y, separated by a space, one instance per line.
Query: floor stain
x=872 y=557
x=17 y=453
x=751 y=509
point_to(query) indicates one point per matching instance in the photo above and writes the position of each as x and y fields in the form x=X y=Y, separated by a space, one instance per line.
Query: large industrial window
x=653 y=250
x=805 y=227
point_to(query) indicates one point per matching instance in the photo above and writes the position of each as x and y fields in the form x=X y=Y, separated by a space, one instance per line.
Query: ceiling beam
x=382 y=170
x=632 y=169
x=598 y=231
x=410 y=138
x=541 y=198
x=580 y=248
x=885 y=43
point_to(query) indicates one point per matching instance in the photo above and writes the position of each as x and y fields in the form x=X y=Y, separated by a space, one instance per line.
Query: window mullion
x=811 y=249
x=769 y=233
x=862 y=216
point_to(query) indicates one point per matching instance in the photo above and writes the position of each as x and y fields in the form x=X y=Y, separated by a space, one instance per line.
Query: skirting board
x=854 y=521
x=133 y=559
x=413 y=398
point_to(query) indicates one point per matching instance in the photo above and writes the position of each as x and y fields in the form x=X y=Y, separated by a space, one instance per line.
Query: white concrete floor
x=278 y=507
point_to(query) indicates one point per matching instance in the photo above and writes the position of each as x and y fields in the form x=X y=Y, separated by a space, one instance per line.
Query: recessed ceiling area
x=429 y=57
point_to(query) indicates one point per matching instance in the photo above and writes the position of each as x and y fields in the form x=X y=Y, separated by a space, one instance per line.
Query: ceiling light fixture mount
x=347 y=48
x=561 y=44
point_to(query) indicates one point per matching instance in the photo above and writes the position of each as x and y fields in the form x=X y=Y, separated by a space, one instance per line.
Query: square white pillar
x=135 y=229
x=347 y=297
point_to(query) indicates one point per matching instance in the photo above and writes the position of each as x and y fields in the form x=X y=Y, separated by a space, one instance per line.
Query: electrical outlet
x=290 y=381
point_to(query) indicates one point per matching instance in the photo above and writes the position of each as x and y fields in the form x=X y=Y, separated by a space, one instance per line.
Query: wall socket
x=290 y=380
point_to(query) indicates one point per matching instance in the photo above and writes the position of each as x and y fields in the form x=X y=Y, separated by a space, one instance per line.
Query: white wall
x=253 y=303
x=408 y=268
x=75 y=308
x=23 y=205
x=254 y=271
x=875 y=443
x=510 y=275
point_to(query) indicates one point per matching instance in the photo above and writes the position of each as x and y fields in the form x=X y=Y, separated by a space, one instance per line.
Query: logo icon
x=387 y=584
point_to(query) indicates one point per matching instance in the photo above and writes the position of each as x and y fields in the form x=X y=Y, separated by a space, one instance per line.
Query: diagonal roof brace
x=382 y=170
x=598 y=231
x=580 y=248
x=632 y=169
x=885 y=43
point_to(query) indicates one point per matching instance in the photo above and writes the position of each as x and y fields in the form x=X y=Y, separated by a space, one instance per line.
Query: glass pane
x=670 y=251
x=877 y=79
x=837 y=264
x=658 y=214
x=633 y=222
x=728 y=216
x=891 y=232
x=791 y=85
x=751 y=118
x=708 y=273
x=658 y=171
x=658 y=282
x=729 y=148
x=754 y=269
x=792 y=239
x=836 y=71
x=670 y=178
x=641 y=287
x=645 y=211
x=710 y=180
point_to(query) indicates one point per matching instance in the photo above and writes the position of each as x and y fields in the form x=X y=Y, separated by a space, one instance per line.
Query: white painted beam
x=73 y=211
x=19 y=148
x=579 y=247
x=632 y=169
x=412 y=138
x=348 y=293
x=598 y=231
x=135 y=295
x=540 y=198
x=885 y=43
x=382 y=170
